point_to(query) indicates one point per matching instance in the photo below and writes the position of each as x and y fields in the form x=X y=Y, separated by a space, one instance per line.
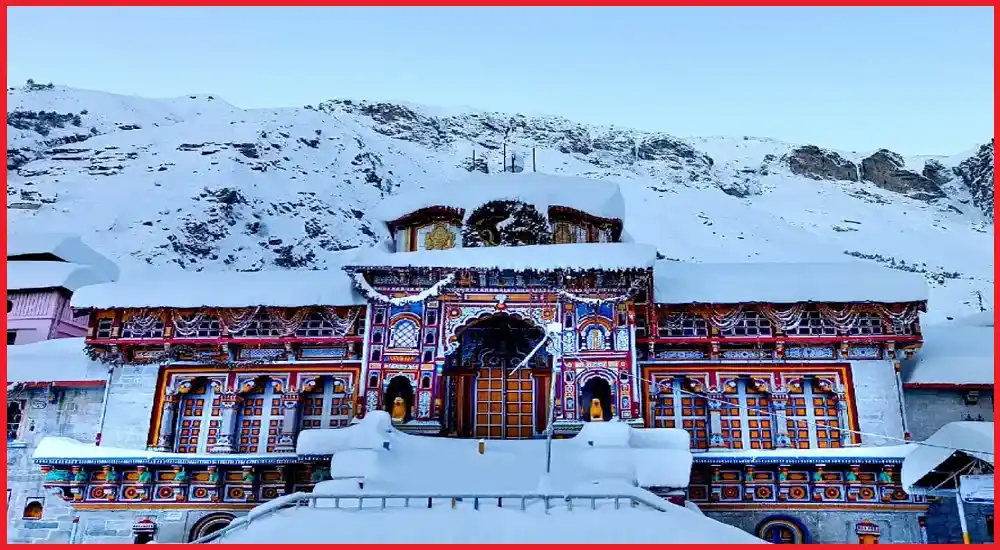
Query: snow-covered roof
x=570 y=257
x=67 y=247
x=595 y=197
x=972 y=438
x=952 y=355
x=29 y=275
x=52 y=361
x=330 y=287
x=784 y=283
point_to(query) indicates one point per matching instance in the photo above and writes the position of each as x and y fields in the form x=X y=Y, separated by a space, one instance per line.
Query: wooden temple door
x=505 y=403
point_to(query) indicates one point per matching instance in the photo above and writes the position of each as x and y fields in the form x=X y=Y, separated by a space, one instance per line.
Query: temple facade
x=515 y=302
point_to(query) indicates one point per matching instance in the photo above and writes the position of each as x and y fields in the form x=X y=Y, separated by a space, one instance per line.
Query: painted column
x=224 y=442
x=291 y=408
x=846 y=432
x=168 y=422
x=779 y=403
x=715 y=439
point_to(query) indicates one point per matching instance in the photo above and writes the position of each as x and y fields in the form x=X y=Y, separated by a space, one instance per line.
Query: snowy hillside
x=195 y=183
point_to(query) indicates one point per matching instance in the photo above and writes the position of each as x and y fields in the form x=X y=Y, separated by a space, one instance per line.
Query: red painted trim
x=223 y=340
x=787 y=340
x=944 y=386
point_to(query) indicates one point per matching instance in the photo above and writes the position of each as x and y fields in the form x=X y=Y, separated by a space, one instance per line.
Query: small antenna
x=504 y=157
x=473 y=160
x=533 y=166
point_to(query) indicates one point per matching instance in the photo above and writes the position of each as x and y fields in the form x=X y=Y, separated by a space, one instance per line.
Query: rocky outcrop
x=815 y=163
x=888 y=171
x=976 y=173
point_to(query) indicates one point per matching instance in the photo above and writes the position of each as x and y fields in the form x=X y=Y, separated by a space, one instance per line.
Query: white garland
x=598 y=301
x=371 y=293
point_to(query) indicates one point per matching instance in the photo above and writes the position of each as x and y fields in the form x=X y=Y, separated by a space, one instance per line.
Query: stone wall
x=831 y=526
x=945 y=527
x=928 y=410
x=75 y=414
x=877 y=401
x=115 y=527
x=130 y=407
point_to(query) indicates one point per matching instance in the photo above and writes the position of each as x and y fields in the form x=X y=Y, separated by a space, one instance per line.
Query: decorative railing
x=382 y=501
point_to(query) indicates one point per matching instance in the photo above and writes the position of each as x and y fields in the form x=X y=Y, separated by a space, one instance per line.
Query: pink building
x=43 y=271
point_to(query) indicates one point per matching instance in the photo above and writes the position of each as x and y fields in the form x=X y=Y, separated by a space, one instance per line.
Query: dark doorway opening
x=599 y=389
x=399 y=388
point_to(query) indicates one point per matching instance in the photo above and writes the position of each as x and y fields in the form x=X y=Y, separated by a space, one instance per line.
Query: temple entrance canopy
x=488 y=396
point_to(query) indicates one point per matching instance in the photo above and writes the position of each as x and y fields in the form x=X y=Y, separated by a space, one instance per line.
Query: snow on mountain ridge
x=197 y=183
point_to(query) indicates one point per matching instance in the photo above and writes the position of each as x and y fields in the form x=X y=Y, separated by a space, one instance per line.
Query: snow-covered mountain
x=196 y=183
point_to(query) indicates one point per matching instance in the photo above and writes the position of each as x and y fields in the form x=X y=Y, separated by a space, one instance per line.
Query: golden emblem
x=439 y=238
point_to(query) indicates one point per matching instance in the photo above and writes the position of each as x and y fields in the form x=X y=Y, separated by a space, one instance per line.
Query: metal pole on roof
x=533 y=167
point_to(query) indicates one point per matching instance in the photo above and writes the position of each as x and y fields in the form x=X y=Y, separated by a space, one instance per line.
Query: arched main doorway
x=488 y=395
x=600 y=389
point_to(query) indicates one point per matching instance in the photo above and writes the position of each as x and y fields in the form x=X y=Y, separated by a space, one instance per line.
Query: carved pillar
x=779 y=403
x=846 y=435
x=224 y=442
x=168 y=422
x=291 y=408
x=715 y=439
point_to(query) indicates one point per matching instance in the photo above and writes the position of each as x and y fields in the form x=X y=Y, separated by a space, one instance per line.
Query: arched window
x=782 y=530
x=33 y=510
x=260 y=418
x=210 y=524
x=200 y=418
x=404 y=335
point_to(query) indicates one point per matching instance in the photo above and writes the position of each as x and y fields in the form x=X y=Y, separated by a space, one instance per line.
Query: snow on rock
x=30 y=275
x=52 y=361
x=570 y=257
x=602 y=199
x=784 y=283
x=63 y=246
x=952 y=355
x=973 y=438
x=493 y=525
x=232 y=189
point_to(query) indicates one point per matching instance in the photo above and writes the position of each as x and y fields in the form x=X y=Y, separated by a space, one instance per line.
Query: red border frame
x=299 y=3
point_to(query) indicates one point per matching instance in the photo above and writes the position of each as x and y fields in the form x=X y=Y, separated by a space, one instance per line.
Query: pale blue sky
x=917 y=80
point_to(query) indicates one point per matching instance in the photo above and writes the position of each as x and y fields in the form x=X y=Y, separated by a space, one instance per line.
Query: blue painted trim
x=209 y=461
x=795 y=460
x=16 y=445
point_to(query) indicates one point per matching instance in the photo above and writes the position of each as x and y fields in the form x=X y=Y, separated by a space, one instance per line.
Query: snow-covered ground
x=602 y=460
x=489 y=526
x=223 y=188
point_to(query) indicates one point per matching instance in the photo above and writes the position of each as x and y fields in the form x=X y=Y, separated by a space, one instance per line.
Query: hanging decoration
x=237 y=320
x=902 y=319
x=341 y=326
x=844 y=318
x=187 y=327
x=784 y=320
x=288 y=326
x=117 y=359
x=637 y=285
x=433 y=291
x=142 y=322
